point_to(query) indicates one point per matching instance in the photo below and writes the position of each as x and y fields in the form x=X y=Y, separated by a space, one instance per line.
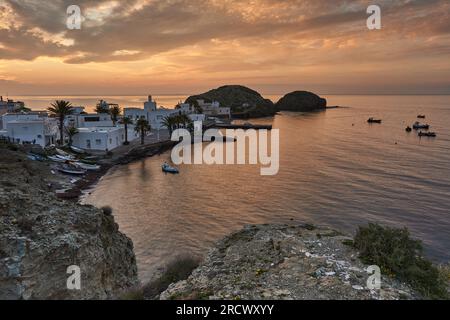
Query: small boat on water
x=427 y=134
x=372 y=120
x=71 y=170
x=408 y=129
x=417 y=126
x=77 y=150
x=421 y=116
x=169 y=169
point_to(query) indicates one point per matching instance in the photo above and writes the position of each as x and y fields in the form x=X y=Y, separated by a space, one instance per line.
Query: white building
x=100 y=138
x=152 y=114
x=41 y=131
x=10 y=105
x=89 y=120
x=213 y=109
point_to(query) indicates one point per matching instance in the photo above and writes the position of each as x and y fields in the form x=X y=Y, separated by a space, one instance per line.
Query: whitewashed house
x=90 y=120
x=8 y=106
x=213 y=109
x=99 y=139
x=155 y=116
x=33 y=128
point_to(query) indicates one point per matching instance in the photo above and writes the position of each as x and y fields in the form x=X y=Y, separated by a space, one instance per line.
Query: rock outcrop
x=302 y=101
x=41 y=236
x=284 y=262
x=244 y=102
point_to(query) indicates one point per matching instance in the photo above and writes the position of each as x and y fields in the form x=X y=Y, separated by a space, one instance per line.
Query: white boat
x=71 y=170
x=77 y=150
x=85 y=166
x=64 y=158
x=56 y=159
x=169 y=169
x=64 y=154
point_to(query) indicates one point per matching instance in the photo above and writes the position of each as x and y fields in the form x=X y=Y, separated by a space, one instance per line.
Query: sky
x=138 y=47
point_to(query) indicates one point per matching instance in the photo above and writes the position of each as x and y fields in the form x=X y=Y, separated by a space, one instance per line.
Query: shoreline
x=130 y=155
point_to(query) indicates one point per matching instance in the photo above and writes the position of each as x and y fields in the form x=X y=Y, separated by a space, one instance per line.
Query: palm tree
x=71 y=131
x=126 y=121
x=61 y=109
x=101 y=107
x=169 y=123
x=115 y=112
x=142 y=127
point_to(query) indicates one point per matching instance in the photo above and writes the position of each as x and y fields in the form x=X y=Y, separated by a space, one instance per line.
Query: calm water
x=335 y=170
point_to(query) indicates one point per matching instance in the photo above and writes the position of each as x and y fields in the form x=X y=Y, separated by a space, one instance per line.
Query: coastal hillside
x=244 y=102
x=41 y=236
x=301 y=101
x=298 y=262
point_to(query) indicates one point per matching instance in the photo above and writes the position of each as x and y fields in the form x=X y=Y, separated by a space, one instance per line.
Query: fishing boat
x=64 y=154
x=88 y=167
x=77 y=150
x=417 y=126
x=408 y=129
x=372 y=120
x=427 y=134
x=65 y=158
x=57 y=159
x=421 y=116
x=35 y=157
x=169 y=169
x=71 y=170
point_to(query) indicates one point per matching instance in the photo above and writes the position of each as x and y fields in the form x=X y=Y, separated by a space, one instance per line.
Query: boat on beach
x=421 y=116
x=169 y=169
x=64 y=154
x=85 y=166
x=71 y=170
x=408 y=129
x=56 y=159
x=77 y=150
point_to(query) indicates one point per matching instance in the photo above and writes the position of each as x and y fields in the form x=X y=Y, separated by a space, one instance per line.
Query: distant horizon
x=274 y=47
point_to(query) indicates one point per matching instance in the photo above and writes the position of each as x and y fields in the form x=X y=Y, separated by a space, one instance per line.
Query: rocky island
x=244 y=102
x=302 y=101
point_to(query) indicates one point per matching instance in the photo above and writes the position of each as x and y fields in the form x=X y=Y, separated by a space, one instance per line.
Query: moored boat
x=64 y=154
x=427 y=134
x=408 y=129
x=421 y=116
x=373 y=120
x=417 y=125
x=169 y=169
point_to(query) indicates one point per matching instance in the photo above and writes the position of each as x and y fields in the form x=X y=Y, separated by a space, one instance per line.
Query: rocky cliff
x=284 y=262
x=244 y=102
x=302 y=101
x=41 y=236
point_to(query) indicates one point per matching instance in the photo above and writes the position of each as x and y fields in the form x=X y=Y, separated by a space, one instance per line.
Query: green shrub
x=398 y=255
x=179 y=269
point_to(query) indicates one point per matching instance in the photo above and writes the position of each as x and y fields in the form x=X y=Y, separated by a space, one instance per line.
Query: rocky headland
x=289 y=262
x=244 y=102
x=41 y=236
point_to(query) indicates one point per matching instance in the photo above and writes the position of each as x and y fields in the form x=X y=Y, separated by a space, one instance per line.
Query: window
x=98 y=142
x=110 y=141
x=91 y=119
x=39 y=136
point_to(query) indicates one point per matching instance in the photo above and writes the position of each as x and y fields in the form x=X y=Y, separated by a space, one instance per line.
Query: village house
x=31 y=127
x=99 y=138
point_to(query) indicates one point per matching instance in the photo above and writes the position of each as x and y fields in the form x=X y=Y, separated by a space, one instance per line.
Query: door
x=88 y=144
